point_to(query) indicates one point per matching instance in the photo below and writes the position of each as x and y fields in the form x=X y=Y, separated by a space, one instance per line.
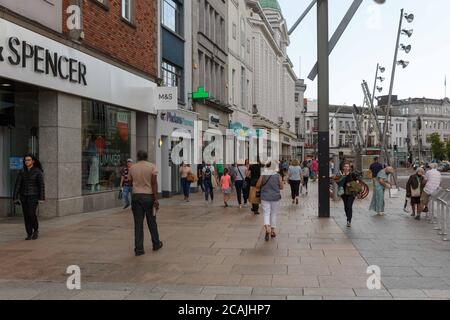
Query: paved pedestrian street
x=212 y=253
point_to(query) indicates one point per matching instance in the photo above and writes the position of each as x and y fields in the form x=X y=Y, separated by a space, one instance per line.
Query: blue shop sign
x=15 y=163
x=241 y=131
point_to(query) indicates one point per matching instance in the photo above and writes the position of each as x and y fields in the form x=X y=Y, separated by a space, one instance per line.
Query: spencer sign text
x=43 y=61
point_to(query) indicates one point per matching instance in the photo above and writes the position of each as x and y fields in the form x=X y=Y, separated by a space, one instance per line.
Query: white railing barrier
x=445 y=207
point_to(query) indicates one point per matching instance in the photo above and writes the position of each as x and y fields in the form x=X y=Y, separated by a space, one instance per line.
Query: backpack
x=208 y=172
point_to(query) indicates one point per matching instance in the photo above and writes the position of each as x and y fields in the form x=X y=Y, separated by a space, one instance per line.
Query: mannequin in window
x=94 y=168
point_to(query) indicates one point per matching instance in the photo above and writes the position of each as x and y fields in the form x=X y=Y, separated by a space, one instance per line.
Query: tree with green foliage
x=438 y=148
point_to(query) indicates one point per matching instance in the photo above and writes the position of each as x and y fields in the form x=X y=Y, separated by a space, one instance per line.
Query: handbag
x=191 y=178
x=415 y=193
x=244 y=182
x=252 y=196
x=214 y=182
x=341 y=191
x=120 y=196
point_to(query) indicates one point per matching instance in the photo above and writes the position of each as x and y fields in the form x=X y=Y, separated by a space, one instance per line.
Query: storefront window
x=106 y=145
x=19 y=134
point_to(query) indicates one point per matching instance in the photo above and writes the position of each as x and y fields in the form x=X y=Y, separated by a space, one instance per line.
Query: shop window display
x=106 y=145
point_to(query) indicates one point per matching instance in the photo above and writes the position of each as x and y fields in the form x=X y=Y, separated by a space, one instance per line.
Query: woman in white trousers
x=270 y=185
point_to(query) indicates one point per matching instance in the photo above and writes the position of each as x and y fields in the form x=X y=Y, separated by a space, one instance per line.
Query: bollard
x=444 y=216
x=437 y=215
x=445 y=227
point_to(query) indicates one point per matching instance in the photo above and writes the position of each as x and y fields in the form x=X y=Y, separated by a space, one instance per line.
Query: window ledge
x=129 y=23
x=172 y=32
x=104 y=6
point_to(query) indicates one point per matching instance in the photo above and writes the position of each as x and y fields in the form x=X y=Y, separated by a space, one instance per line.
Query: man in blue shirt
x=375 y=167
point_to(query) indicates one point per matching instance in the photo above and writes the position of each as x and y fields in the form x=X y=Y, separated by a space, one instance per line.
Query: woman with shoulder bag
x=30 y=189
x=295 y=178
x=240 y=182
x=352 y=189
x=186 y=179
x=414 y=189
x=270 y=185
x=341 y=180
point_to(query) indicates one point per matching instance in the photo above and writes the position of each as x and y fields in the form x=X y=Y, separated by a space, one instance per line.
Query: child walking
x=225 y=184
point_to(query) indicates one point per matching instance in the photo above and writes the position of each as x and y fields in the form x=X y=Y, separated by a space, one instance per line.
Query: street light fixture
x=403 y=63
x=408 y=33
x=381 y=79
x=380 y=89
x=382 y=69
x=409 y=17
x=407 y=48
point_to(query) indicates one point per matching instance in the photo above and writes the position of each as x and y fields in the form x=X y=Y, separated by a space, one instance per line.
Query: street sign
x=200 y=94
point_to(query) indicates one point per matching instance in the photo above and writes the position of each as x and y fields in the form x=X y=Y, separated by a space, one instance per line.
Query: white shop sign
x=214 y=120
x=166 y=98
x=29 y=57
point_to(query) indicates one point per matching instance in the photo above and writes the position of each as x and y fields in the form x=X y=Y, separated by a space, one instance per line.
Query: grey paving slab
x=227 y=290
x=304 y=298
x=371 y=293
x=329 y=292
x=140 y=295
x=18 y=294
x=226 y=297
x=182 y=297
x=407 y=293
x=177 y=288
x=415 y=283
x=277 y=291
x=56 y=295
x=441 y=294
x=101 y=295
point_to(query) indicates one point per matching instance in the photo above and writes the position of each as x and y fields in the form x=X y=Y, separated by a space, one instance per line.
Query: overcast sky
x=370 y=38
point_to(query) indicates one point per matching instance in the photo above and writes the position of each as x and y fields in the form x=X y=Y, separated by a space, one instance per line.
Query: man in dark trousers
x=144 y=202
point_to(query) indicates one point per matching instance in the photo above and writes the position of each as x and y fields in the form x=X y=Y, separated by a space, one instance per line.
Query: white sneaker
x=382 y=214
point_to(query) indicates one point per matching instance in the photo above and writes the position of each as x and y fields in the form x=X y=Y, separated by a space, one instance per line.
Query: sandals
x=273 y=234
x=267 y=236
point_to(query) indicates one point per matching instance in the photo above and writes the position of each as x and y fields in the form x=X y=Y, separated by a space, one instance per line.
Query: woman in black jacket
x=30 y=189
x=255 y=173
x=414 y=189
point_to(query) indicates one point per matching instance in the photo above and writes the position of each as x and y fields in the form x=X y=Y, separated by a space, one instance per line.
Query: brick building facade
x=107 y=32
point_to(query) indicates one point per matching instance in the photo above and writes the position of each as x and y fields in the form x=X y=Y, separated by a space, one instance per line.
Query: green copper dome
x=271 y=4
